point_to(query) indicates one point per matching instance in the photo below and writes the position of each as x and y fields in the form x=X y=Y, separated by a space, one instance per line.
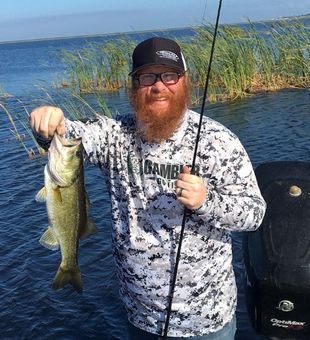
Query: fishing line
x=177 y=260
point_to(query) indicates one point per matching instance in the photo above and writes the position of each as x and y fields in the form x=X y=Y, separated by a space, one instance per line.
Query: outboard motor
x=277 y=255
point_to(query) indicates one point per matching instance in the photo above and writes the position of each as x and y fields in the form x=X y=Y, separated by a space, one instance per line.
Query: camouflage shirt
x=147 y=219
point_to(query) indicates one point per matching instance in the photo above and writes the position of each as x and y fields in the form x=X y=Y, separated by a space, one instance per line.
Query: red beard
x=160 y=124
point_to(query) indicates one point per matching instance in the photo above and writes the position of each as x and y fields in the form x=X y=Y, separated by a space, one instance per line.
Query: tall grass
x=292 y=57
x=74 y=105
x=234 y=66
x=99 y=67
x=77 y=107
x=246 y=61
x=16 y=133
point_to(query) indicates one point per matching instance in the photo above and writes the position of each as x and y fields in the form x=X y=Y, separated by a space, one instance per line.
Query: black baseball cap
x=157 y=51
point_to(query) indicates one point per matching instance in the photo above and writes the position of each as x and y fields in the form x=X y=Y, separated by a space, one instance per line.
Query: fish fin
x=57 y=195
x=49 y=240
x=88 y=230
x=64 y=277
x=41 y=195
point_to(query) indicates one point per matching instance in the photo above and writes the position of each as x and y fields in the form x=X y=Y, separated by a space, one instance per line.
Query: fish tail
x=65 y=276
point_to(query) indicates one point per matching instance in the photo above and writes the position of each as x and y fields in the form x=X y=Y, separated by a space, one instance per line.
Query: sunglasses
x=148 y=79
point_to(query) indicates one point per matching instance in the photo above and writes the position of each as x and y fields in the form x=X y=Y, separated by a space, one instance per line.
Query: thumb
x=61 y=128
x=186 y=169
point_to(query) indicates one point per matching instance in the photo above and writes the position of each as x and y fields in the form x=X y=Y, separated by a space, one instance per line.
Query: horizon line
x=141 y=31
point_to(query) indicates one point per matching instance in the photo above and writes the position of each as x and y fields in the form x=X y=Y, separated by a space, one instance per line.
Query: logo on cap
x=167 y=55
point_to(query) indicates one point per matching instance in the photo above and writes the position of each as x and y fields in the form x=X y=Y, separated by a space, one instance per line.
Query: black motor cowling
x=277 y=255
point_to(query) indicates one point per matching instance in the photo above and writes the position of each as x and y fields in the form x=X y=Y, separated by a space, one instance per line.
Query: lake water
x=272 y=126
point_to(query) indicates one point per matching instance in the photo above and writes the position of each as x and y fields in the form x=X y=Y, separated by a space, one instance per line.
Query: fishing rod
x=177 y=260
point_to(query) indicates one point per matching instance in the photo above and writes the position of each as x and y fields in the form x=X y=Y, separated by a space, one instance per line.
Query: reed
x=74 y=105
x=99 y=67
x=28 y=132
x=78 y=107
x=18 y=136
x=80 y=69
x=292 y=58
x=246 y=61
x=116 y=58
x=235 y=63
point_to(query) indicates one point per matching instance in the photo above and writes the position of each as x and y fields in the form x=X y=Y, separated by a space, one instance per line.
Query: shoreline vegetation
x=248 y=59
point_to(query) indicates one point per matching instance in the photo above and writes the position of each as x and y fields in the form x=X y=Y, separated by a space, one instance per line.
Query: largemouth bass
x=67 y=208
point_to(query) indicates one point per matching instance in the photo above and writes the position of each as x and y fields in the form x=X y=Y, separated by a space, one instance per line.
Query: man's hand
x=45 y=120
x=191 y=190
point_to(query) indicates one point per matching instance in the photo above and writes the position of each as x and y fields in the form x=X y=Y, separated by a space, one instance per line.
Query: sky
x=35 y=19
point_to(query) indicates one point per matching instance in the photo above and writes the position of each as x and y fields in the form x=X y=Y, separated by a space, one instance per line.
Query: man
x=147 y=159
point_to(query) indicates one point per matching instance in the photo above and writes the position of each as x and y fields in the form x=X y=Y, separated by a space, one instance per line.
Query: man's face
x=159 y=108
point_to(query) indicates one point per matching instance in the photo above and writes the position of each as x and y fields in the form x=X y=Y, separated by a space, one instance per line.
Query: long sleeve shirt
x=147 y=219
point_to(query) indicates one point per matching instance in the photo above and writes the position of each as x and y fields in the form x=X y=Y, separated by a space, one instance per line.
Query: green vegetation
x=99 y=67
x=20 y=137
x=75 y=106
x=246 y=61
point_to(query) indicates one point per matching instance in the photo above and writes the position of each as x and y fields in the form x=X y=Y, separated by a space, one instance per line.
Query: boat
x=277 y=254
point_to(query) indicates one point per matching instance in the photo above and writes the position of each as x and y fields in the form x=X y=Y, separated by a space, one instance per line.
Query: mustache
x=154 y=97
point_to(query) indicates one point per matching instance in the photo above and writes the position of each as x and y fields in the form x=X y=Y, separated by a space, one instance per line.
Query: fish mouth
x=65 y=157
x=67 y=142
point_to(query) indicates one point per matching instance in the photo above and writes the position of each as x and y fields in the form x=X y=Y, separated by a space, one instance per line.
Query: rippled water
x=272 y=126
